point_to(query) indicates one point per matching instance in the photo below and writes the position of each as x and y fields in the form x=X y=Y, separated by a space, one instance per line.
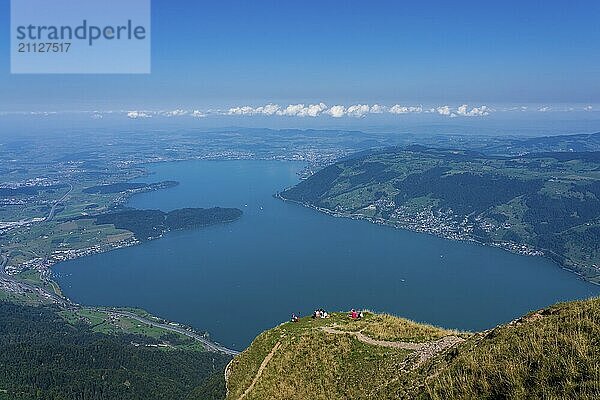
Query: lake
x=238 y=279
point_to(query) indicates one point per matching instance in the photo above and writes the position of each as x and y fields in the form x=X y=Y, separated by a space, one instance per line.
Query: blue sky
x=232 y=53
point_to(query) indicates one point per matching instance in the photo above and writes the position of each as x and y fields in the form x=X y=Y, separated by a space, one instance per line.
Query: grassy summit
x=329 y=358
x=552 y=354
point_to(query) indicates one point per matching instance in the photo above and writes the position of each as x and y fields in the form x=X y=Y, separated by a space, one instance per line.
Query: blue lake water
x=238 y=279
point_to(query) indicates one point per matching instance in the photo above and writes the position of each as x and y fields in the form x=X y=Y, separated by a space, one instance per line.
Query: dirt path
x=263 y=365
x=424 y=351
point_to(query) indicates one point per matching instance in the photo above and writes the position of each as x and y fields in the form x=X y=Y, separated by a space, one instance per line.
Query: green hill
x=151 y=224
x=534 y=204
x=551 y=354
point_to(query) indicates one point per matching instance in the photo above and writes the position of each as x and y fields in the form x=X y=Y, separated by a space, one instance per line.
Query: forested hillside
x=44 y=357
x=128 y=187
x=150 y=224
x=537 y=203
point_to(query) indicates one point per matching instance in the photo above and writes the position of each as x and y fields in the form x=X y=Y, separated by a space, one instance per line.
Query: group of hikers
x=321 y=313
x=355 y=314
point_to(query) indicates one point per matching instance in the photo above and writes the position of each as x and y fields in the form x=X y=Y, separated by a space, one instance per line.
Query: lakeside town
x=439 y=223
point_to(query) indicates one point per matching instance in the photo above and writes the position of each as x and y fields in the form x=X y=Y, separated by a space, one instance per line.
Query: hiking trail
x=263 y=365
x=424 y=351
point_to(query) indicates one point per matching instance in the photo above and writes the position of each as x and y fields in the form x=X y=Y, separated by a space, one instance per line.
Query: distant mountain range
x=562 y=143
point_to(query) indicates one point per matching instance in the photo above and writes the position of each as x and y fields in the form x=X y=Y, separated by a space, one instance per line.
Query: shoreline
x=130 y=242
x=378 y=221
x=57 y=295
x=44 y=266
x=15 y=285
x=46 y=270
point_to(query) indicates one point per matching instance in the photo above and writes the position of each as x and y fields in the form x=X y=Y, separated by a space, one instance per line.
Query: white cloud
x=313 y=110
x=198 y=114
x=444 y=110
x=246 y=110
x=398 y=109
x=138 y=114
x=474 y=112
x=462 y=110
x=377 y=109
x=355 y=110
x=174 y=113
x=44 y=113
x=269 y=109
x=320 y=109
x=337 y=111
x=358 y=110
x=292 y=110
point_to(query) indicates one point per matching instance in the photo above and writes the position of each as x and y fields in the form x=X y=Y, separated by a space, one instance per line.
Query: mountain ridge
x=550 y=353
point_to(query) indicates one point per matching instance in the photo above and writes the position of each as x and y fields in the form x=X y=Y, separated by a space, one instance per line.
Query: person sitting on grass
x=320 y=313
x=294 y=318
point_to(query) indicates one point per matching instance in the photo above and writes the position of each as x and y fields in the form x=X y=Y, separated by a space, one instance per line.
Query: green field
x=41 y=241
x=102 y=321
